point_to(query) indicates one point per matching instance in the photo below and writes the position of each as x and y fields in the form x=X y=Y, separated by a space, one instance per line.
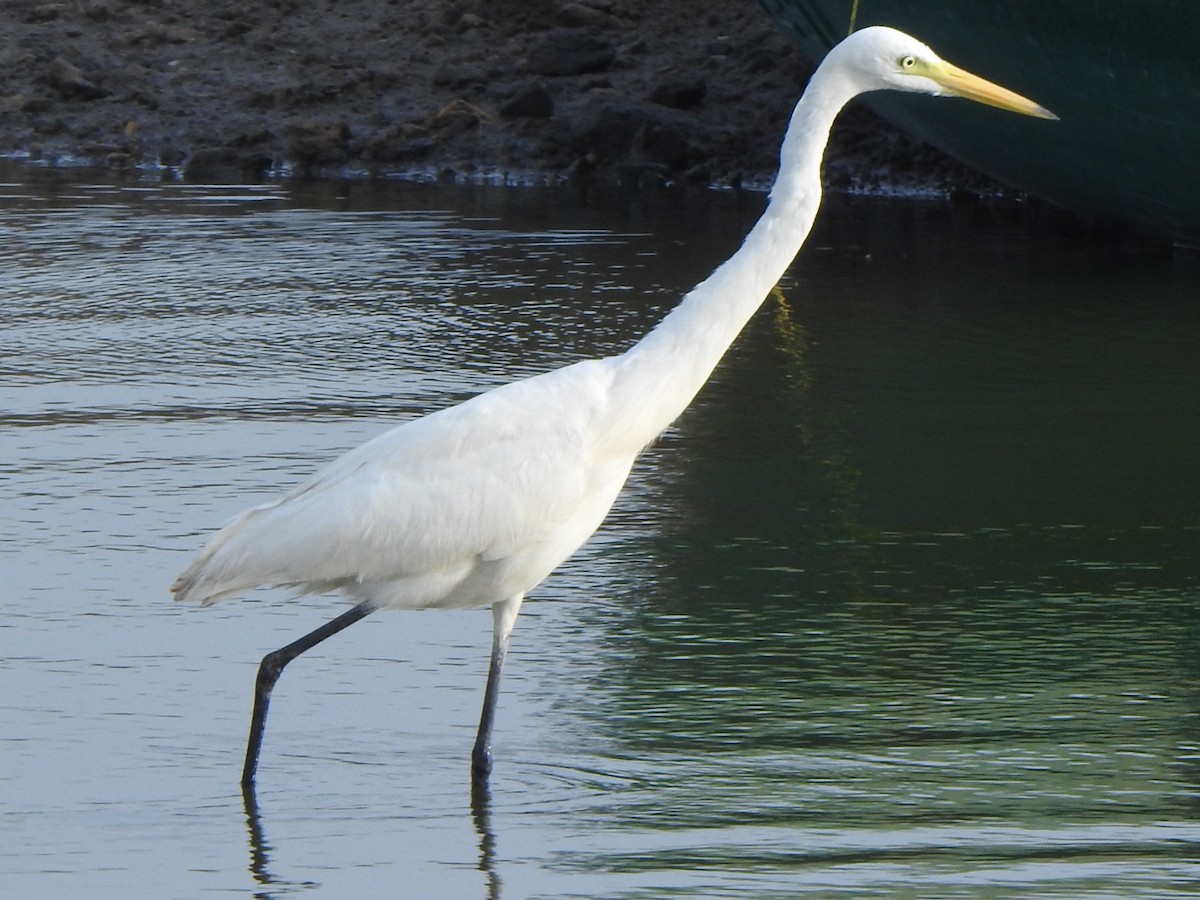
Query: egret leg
x=272 y=667
x=504 y=616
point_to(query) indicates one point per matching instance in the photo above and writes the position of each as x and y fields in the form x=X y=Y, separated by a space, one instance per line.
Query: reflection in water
x=832 y=493
x=259 y=848
x=481 y=815
x=953 y=734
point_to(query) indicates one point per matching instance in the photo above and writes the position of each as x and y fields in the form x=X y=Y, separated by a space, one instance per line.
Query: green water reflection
x=924 y=613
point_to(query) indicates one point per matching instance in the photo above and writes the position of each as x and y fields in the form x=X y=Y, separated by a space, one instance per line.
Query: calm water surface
x=907 y=605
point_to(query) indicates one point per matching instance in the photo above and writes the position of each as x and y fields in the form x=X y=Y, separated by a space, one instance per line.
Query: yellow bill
x=962 y=83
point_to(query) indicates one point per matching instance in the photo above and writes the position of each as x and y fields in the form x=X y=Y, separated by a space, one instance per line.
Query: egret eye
x=907 y=62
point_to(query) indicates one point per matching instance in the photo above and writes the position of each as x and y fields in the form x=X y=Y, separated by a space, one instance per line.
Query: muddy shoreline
x=668 y=92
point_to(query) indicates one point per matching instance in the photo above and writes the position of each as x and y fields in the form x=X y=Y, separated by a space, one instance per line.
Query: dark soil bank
x=630 y=91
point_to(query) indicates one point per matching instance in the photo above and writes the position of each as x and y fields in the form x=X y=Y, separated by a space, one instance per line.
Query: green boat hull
x=1123 y=75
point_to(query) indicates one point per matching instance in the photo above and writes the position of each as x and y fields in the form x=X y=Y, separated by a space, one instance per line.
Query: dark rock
x=663 y=144
x=170 y=157
x=459 y=76
x=679 y=92
x=44 y=12
x=144 y=98
x=263 y=99
x=401 y=144
x=532 y=101
x=98 y=10
x=317 y=142
x=66 y=78
x=758 y=61
x=459 y=117
x=236 y=29
x=581 y=14
x=258 y=138
x=571 y=51
x=617 y=131
x=161 y=35
x=35 y=105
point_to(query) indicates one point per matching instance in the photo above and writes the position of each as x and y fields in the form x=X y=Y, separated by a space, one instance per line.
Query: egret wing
x=428 y=499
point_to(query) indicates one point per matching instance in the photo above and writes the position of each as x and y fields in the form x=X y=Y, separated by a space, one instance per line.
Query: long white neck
x=658 y=377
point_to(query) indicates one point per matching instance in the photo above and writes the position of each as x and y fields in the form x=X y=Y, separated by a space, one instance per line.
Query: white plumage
x=476 y=504
x=459 y=508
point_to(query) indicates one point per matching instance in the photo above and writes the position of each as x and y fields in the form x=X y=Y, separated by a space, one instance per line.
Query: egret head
x=889 y=59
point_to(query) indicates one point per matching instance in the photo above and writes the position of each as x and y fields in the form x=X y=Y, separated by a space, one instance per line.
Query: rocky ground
x=622 y=91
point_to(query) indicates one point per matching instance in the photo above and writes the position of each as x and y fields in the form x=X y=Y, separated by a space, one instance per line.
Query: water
x=907 y=605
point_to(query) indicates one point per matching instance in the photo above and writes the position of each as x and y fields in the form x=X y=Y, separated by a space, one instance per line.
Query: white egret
x=476 y=504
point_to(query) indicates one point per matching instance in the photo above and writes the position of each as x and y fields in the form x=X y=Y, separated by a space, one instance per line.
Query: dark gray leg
x=504 y=616
x=269 y=671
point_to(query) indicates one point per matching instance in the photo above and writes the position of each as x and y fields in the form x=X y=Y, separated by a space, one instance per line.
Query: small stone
x=236 y=29
x=161 y=35
x=171 y=157
x=316 y=142
x=459 y=76
x=34 y=105
x=98 y=10
x=680 y=93
x=532 y=101
x=571 y=51
x=579 y=14
x=43 y=13
x=66 y=78
x=618 y=131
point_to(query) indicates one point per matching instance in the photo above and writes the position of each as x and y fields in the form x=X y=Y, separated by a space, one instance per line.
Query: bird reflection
x=821 y=430
x=835 y=499
x=258 y=843
x=481 y=816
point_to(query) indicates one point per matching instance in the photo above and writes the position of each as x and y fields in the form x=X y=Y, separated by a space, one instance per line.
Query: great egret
x=476 y=504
